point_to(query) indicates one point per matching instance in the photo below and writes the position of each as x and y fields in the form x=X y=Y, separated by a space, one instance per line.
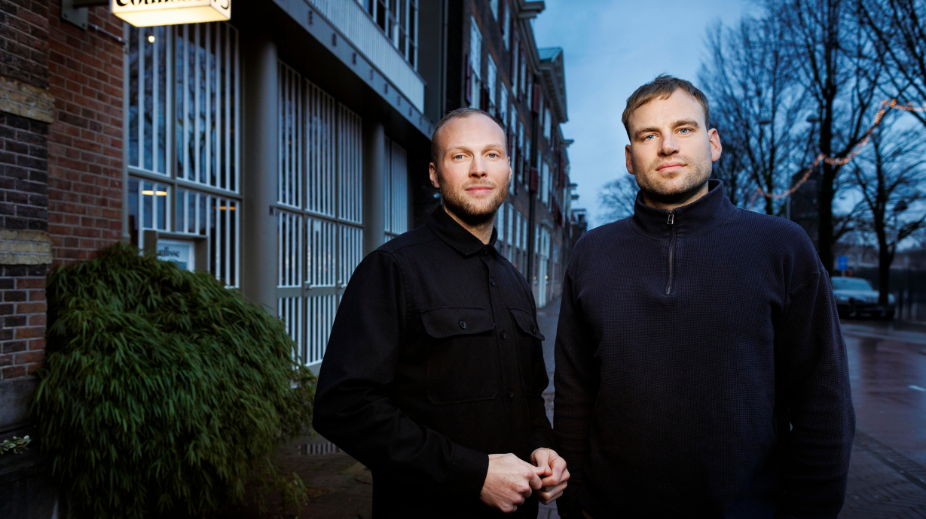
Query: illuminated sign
x=147 y=13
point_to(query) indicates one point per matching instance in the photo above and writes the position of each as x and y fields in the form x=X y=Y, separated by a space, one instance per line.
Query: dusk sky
x=611 y=48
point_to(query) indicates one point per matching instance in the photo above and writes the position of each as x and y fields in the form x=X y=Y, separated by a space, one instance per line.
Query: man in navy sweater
x=700 y=366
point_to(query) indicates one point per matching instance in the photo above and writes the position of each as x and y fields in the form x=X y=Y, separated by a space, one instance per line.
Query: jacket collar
x=455 y=235
x=690 y=220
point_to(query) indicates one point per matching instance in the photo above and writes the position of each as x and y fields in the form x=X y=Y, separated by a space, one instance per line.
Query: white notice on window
x=179 y=252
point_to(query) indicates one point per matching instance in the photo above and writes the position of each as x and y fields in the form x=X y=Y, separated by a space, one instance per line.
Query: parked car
x=855 y=297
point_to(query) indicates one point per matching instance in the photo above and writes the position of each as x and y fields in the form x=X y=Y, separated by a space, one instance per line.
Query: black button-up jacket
x=434 y=362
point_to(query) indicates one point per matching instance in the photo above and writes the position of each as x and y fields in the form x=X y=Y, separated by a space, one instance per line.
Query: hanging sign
x=146 y=13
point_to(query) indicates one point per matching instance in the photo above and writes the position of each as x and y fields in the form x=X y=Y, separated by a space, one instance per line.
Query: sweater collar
x=455 y=235
x=690 y=220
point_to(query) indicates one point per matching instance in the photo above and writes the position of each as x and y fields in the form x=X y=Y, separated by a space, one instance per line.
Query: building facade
x=274 y=151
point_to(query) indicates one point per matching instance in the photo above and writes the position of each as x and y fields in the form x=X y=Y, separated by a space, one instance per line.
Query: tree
x=897 y=29
x=759 y=105
x=836 y=66
x=617 y=198
x=889 y=176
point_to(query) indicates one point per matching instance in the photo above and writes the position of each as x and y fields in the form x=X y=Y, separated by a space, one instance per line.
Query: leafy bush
x=162 y=390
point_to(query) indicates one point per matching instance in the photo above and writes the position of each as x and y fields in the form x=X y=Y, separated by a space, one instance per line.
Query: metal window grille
x=289 y=253
x=320 y=312
x=350 y=166
x=320 y=202
x=290 y=100
x=290 y=311
x=183 y=137
x=396 y=190
x=321 y=257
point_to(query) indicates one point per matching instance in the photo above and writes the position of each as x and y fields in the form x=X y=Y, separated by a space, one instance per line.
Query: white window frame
x=189 y=104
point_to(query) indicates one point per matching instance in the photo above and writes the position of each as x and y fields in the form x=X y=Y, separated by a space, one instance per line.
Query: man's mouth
x=480 y=189
x=670 y=166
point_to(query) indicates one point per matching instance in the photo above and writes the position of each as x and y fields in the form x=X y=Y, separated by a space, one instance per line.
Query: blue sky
x=612 y=47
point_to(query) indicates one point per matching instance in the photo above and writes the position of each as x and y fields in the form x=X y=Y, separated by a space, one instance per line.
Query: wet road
x=887 y=369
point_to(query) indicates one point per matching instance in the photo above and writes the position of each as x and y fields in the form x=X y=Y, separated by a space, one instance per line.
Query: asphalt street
x=887 y=475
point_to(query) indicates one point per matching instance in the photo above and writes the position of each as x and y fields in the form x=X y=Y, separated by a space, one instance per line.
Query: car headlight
x=890 y=298
x=842 y=299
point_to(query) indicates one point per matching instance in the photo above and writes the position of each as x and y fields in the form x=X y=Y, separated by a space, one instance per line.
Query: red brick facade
x=22 y=337
x=23 y=188
x=85 y=141
x=63 y=178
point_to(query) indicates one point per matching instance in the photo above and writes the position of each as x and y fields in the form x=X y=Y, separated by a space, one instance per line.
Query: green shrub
x=162 y=390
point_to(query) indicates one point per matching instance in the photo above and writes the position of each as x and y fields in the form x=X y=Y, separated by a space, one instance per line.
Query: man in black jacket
x=700 y=367
x=434 y=372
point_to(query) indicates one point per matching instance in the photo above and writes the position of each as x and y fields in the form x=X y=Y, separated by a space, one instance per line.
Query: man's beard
x=674 y=198
x=683 y=196
x=469 y=212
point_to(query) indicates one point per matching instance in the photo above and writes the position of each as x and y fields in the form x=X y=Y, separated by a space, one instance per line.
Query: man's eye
x=457 y=157
x=493 y=155
x=648 y=137
x=685 y=130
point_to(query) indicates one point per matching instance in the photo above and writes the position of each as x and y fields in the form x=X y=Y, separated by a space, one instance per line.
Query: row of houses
x=273 y=150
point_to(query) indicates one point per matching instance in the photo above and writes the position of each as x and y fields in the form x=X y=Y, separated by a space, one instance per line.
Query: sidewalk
x=883 y=484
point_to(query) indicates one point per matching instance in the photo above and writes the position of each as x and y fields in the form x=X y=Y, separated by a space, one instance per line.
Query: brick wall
x=85 y=141
x=24 y=41
x=25 y=111
x=22 y=336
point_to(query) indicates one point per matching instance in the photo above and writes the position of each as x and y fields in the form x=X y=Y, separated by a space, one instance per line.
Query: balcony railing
x=355 y=24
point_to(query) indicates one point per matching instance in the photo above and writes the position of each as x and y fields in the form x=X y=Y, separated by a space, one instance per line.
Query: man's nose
x=478 y=167
x=669 y=146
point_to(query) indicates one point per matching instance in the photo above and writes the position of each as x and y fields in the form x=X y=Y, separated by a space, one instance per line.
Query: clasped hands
x=510 y=480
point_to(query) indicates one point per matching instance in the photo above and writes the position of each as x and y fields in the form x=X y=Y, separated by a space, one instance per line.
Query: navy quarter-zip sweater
x=700 y=369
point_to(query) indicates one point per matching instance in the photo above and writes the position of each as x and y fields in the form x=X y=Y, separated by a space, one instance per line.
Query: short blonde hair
x=662 y=87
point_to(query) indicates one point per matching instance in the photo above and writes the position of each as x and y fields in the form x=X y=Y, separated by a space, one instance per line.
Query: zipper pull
x=671 y=219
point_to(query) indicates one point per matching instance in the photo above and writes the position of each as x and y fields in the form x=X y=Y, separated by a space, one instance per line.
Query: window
x=493 y=8
x=475 y=63
x=399 y=21
x=503 y=23
x=183 y=127
x=491 y=75
x=503 y=104
x=523 y=74
x=396 y=191
x=547 y=124
x=544 y=178
x=319 y=209
x=515 y=66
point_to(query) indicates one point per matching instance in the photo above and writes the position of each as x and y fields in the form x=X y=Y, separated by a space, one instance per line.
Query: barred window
x=183 y=137
x=320 y=203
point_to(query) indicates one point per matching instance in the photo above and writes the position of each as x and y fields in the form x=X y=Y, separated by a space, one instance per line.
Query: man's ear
x=716 y=147
x=629 y=159
x=432 y=173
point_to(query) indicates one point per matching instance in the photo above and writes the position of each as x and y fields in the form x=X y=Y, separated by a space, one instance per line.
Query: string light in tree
x=886 y=105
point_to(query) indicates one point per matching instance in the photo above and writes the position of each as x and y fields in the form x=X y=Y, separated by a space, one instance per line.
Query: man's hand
x=509 y=482
x=555 y=475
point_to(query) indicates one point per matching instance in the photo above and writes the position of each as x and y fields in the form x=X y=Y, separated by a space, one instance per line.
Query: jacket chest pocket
x=462 y=361
x=529 y=346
